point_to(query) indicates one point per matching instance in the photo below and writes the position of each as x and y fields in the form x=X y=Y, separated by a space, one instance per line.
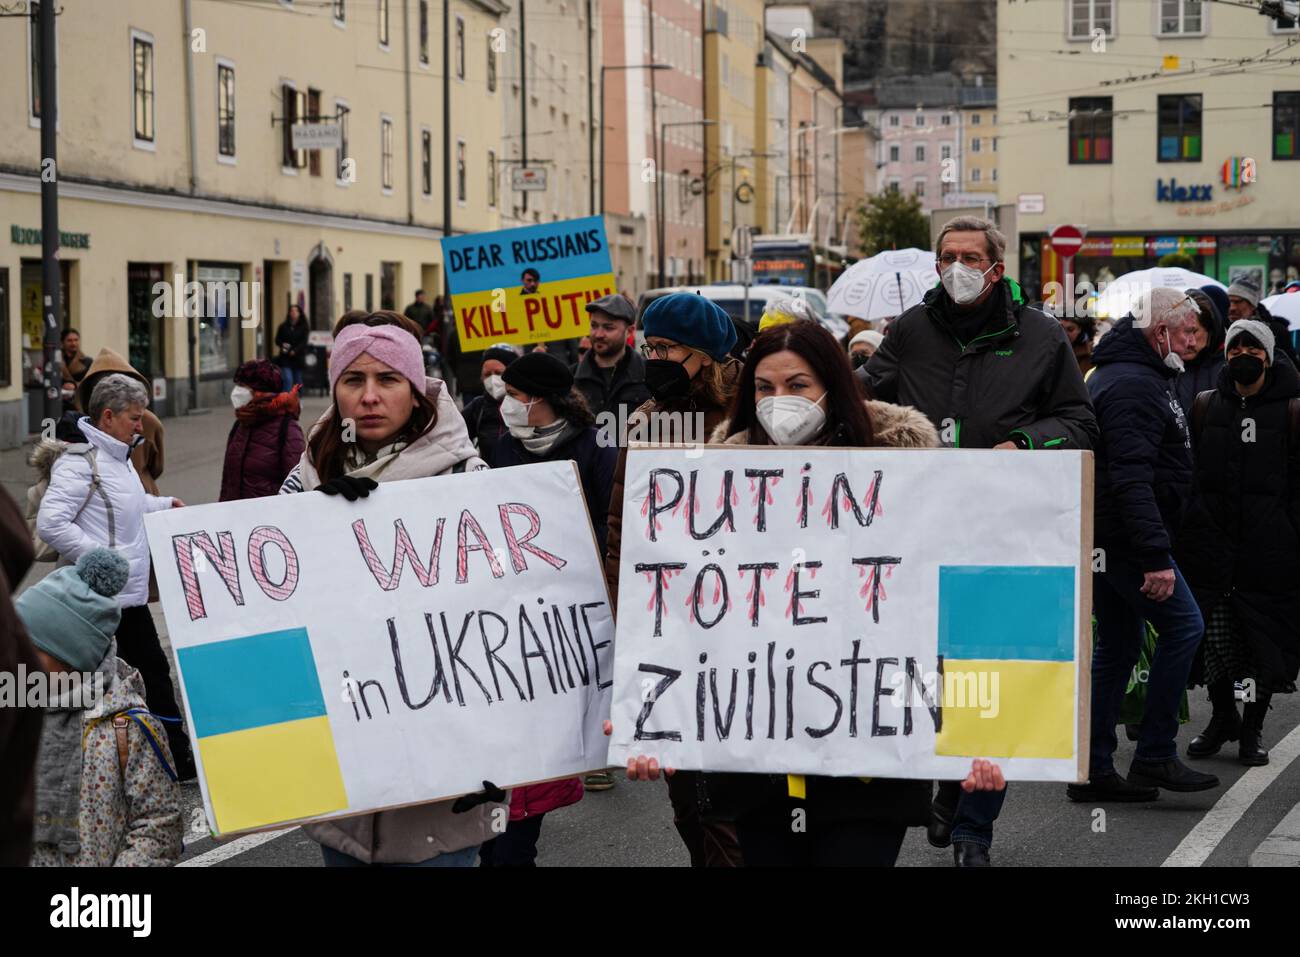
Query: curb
x=1282 y=847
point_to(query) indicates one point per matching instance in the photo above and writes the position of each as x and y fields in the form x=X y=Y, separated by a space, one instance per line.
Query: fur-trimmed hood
x=894 y=426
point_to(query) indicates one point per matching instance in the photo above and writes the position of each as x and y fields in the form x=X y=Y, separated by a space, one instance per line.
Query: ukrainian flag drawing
x=262 y=730
x=1006 y=634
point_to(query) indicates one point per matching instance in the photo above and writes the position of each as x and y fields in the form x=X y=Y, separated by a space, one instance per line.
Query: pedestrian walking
x=1240 y=543
x=266 y=440
x=611 y=376
x=422 y=314
x=1204 y=360
x=1143 y=482
x=106 y=792
x=291 y=347
x=989 y=371
x=692 y=379
x=406 y=426
x=482 y=413
x=95 y=498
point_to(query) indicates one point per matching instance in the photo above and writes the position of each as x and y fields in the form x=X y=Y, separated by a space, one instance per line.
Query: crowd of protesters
x=1190 y=404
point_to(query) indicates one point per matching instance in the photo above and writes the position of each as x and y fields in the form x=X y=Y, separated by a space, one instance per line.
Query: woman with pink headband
x=390 y=422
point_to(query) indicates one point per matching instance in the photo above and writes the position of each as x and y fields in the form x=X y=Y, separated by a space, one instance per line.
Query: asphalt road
x=632 y=823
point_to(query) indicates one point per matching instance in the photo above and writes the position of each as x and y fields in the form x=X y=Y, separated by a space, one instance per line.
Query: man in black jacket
x=611 y=377
x=1143 y=483
x=990 y=372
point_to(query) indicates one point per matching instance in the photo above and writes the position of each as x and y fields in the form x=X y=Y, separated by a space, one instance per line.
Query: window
x=975 y=175
x=893 y=119
x=995 y=144
x=945 y=152
x=491 y=67
x=1284 y=25
x=383 y=23
x=424 y=32
x=342 y=172
x=34 y=50
x=225 y=109
x=1090 y=129
x=295 y=111
x=460 y=171
x=974 y=119
x=919 y=120
x=894 y=185
x=1087 y=16
x=347 y=292
x=920 y=154
x=1286 y=125
x=313 y=116
x=386 y=152
x=492 y=178
x=1181 y=18
x=426 y=163
x=995 y=174
x=893 y=154
x=1178 y=129
x=918 y=188
x=370 y=292
x=975 y=145
x=945 y=120
x=142 y=57
x=460 y=48
x=340 y=13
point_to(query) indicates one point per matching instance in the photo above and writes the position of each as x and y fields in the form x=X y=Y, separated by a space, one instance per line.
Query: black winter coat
x=483 y=422
x=1018 y=377
x=595 y=468
x=626 y=390
x=291 y=344
x=1144 y=458
x=1241 y=537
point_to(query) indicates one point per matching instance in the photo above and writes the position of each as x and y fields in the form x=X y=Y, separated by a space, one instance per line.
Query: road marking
x=225 y=852
x=1228 y=810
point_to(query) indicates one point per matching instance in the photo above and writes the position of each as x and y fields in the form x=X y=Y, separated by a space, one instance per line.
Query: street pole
x=602 y=139
x=591 y=140
x=50 y=272
x=659 y=204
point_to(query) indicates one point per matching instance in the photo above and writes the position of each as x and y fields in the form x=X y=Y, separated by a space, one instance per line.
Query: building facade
x=1167 y=129
x=919 y=148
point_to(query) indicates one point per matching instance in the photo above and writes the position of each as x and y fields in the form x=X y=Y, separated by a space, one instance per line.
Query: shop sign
x=21 y=236
x=1173 y=193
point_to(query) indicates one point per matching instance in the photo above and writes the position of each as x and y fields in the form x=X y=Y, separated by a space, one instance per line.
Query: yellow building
x=978 y=150
x=175 y=162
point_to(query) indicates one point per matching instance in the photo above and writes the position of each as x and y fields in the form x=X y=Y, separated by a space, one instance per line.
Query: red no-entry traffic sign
x=1066 y=240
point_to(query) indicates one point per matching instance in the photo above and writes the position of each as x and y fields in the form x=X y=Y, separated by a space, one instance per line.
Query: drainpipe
x=189 y=95
x=446 y=130
x=406 y=71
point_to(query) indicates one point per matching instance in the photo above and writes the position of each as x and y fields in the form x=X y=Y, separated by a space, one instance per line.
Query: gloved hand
x=491 y=794
x=349 y=486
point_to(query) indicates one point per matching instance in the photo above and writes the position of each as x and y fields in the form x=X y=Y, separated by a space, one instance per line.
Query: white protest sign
x=845 y=612
x=339 y=657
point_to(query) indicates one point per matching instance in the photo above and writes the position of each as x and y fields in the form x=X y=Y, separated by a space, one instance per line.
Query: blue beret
x=691 y=320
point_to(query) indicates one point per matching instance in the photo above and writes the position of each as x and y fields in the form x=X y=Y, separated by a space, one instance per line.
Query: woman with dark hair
x=1205 y=360
x=291 y=343
x=548 y=421
x=1081 y=330
x=400 y=425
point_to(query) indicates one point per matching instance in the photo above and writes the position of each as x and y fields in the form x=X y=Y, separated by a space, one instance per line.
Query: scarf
x=547 y=437
x=59 y=764
x=265 y=405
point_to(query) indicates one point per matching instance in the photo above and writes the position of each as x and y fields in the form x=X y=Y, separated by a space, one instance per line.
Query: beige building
x=174 y=161
x=1140 y=134
x=977 y=166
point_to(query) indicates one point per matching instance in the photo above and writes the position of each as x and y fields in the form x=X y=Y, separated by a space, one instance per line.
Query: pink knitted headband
x=391 y=345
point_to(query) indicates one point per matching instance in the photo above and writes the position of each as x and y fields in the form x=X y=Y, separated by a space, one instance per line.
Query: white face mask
x=1172 y=359
x=240 y=396
x=515 y=415
x=790 y=419
x=495 y=387
x=964 y=283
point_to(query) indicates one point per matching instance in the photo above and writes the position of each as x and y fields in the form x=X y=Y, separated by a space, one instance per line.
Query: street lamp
x=659 y=183
x=603 y=69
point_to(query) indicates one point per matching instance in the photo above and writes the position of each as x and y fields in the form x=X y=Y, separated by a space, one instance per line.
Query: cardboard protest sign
x=340 y=657
x=855 y=612
x=494 y=302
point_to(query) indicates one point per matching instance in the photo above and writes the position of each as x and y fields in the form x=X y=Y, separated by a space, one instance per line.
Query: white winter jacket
x=73 y=535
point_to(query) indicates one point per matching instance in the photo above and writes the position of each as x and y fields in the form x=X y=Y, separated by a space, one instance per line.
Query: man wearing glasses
x=990 y=372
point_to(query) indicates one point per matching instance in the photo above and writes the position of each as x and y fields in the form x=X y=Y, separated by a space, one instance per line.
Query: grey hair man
x=1143 y=484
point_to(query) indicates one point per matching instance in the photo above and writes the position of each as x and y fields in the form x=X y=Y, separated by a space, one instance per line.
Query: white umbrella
x=1119 y=295
x=884 y=285
x=1286 y=306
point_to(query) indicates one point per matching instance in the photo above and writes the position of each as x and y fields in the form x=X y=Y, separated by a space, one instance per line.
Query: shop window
x=1286 y=125
x=219 y=339
x=388 y=286
x=1090 y=129
x=1178 y=131
x=144 y=328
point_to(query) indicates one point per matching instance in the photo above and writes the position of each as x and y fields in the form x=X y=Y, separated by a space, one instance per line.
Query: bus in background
x=795 y=260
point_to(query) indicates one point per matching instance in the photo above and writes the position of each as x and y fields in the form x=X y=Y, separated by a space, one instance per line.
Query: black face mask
x=667 y=380
x=860 y=359
x=1245 y=369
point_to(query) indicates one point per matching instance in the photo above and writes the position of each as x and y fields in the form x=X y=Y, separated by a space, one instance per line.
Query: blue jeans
x=1121 y=608
x=465 y=857
x=975 y=812
x=291 y=377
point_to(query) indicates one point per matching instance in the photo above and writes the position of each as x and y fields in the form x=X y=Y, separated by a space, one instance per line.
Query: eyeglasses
x=656 y=350
x=970 y=259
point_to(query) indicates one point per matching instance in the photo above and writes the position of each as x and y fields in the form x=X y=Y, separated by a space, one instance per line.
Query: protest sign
x=493 y=300
x=337 y=657
x=872 y=612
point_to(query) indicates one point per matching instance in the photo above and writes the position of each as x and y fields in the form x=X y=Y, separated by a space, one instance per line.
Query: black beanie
x=503 y=354
x=539 y=374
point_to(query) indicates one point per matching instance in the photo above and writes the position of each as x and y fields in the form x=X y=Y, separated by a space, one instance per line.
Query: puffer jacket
x=147 y=457
x=261 y=452
x=72 y=535
x=407 y=835
x=127 y=817
x=830 y=799
x=1144 y=458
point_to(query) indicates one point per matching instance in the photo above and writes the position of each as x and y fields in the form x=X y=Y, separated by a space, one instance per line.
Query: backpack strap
x=121 y=728
x=1200 y=409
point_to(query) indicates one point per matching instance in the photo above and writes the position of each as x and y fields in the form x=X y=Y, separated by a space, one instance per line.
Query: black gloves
x=491 y=794
x=349 y=486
